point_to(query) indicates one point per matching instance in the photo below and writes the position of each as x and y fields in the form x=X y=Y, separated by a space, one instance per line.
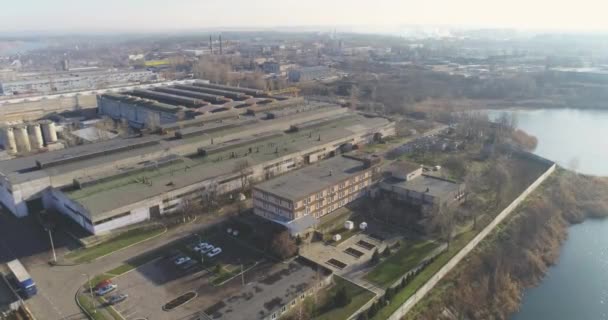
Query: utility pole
x=52 y=245
x=91 y=292
x=242 y=274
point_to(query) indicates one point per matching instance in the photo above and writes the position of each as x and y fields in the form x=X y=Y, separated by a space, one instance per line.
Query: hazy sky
x=154 y=15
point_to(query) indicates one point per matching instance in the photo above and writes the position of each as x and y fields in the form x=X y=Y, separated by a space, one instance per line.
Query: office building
x=298 y=199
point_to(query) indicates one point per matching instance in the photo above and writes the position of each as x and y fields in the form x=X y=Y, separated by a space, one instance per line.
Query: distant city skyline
x=381 y=15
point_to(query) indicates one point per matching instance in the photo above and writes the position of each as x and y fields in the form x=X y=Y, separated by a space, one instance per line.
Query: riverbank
x=490 y=283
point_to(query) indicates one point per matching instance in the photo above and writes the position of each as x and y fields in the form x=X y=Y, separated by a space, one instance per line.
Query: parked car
x=181 y=260
x=214 y=252
x=104 y=290
x=117 y=298
x=208 y=249
x=201 y=246
x=102 y=284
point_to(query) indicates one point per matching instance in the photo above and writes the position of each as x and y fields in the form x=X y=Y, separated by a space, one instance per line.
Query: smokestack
x=220 y=44
x=210 y=44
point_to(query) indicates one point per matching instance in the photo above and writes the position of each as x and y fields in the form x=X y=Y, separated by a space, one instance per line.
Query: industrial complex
x=114 y=183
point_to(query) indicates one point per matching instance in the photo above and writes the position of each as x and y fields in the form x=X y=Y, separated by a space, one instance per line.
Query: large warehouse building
x=110 y=184
x=150 y=108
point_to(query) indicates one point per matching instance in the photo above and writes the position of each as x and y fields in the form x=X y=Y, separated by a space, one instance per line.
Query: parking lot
x=156 y=283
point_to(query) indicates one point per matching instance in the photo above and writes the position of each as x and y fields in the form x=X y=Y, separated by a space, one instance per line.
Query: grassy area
x=400 y=262
x=87 y=304
x=358 y=295
x=122 y=241
x=402 y=296
x=335 y=219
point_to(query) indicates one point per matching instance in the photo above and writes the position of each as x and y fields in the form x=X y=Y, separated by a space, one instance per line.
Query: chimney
x=330 y=173
x=210 y=44
x=220 y=44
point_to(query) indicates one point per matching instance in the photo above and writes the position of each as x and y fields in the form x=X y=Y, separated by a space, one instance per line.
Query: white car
x=181 y=260
x=214 y=252
x=105 y=289
x=209 y=248
x=201 y=246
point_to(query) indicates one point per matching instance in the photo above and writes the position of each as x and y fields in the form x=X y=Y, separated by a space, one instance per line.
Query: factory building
x=114 y=183
x=298 y=199
x=144 y=108
x=309 y=73
x=73 y=81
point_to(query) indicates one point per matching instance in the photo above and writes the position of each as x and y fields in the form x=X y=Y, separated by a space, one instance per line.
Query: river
x=576 y=288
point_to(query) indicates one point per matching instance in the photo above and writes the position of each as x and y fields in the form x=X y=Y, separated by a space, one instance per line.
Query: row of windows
x=276 y=200
x=331 y=190
x=124 y=214
x=186 y=194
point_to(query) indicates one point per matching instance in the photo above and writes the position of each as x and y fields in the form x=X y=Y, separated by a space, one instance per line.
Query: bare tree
x=283 y=246
x=444 y=221
x=499 y=180
x=242 y=167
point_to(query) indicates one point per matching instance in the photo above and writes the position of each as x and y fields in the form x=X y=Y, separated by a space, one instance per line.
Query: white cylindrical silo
x=22 y=139
x=33 y=129
x=48 y=131
x=9 y=140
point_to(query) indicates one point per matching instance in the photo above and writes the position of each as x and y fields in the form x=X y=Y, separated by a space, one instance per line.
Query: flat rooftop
x=113 y=193
x=314 y=178
x=77 y=159
x=435 y=186
x=259 y=299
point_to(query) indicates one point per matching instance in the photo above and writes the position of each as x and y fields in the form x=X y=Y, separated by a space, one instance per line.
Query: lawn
x=400 y=262
x=358 y=295
x=335 y=220
x=120 y=242
x=101 y=313
x=402 y=296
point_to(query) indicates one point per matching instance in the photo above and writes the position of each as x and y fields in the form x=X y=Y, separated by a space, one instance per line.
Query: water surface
x=576 y=288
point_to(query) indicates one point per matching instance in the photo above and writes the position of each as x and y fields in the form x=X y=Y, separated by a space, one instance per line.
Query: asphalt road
x=26 y=239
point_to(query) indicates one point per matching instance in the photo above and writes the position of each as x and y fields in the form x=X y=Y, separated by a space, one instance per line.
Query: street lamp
x=91 y=291
x=52 y=244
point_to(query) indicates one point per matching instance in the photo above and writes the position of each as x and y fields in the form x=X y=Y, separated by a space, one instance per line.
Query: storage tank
x=48 y=131
x=9 y=140
x=21 y=138
x=33 y=129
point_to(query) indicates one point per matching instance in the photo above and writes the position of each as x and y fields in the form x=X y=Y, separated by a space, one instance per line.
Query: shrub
x=341 y=298
x=375 y=257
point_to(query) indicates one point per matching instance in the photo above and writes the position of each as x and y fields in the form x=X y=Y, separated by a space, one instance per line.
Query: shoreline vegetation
x=489 y=284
